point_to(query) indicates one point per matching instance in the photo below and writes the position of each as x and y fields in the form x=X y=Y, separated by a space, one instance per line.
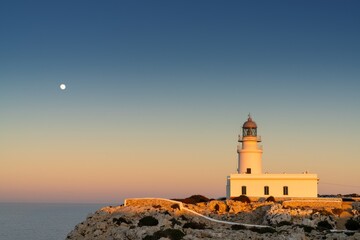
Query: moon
x=62 y=86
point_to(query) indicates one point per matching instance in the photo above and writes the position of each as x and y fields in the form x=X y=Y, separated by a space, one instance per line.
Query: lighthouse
x=249 y=179
x=249 y=152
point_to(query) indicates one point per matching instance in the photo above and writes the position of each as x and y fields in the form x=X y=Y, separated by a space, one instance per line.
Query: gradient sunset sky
x=157 y=92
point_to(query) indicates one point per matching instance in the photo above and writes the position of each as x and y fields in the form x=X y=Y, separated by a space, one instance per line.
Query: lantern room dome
x=249 y=123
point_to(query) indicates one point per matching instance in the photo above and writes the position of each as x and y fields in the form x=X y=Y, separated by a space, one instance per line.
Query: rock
x=97 y=233
x=101 y=226
x=277 y=214
x=356 y=236
x=345 y=214
x=356 y=206
x=236 y=206
x=308 y=222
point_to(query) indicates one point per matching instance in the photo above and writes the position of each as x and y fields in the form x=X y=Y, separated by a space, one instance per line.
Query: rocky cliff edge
x=153 y=218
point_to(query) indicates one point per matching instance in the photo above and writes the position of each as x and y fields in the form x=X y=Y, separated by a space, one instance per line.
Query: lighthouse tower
x=250 y=181
x=250 y=154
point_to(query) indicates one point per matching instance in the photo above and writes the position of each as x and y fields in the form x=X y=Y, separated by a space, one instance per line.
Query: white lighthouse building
x=250 y=180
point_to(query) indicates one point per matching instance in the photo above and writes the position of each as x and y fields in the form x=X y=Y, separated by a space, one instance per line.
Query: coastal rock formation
x=150 y=219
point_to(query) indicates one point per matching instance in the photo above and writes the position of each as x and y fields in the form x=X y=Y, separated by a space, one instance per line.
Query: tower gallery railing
x=258 y=138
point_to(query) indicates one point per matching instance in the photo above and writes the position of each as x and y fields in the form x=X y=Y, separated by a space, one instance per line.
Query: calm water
x=41 y=221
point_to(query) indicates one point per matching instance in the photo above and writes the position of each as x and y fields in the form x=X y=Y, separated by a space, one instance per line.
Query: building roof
x=249 y=123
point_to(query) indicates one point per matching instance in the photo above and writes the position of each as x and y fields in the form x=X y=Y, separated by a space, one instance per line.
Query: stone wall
x=167 y=203
x=317 y=203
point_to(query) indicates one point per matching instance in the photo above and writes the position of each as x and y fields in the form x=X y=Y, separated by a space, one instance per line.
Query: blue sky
x=161 y=73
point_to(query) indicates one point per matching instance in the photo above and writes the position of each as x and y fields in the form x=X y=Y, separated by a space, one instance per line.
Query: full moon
x=62 y=86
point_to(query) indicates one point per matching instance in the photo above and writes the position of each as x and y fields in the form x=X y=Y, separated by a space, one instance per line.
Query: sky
x=157 y=92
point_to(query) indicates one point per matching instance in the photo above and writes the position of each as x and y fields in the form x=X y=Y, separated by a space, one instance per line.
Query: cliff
x=150 y=219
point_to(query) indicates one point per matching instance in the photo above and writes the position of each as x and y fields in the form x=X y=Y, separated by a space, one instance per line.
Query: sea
x=41 y=221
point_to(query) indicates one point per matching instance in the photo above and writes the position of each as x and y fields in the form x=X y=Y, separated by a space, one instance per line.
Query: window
x=249 y=132
x=266 y=190
x=243 y=190
x=248 y=171
x=286 y=190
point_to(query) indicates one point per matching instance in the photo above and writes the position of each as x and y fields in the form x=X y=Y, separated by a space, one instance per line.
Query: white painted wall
x=299 y=185
x=250 y=156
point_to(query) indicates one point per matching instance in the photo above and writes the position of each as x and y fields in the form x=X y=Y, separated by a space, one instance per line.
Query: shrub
x=175 y=206
x=238 y=227
x=173 y=234
x=351 y=224
x=174 y=221
x=352 y=195
x=194 y=225
x=242 y=198
x=120 y=220
x=227 y=208
x=306 y=228
x=324 y=225
x=166 y=212
x=284 y=223
x=263 y=230
x=148 y=221
x=270 y=199
x=349 y=233
x=194 y=199
x=197 y=199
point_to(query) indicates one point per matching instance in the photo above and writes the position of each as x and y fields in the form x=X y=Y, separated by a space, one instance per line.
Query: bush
x=173 y=234
x=120 y=220
x=242 y=198
x=284 y=223
x=238 y=227
x=227 y=208
x=351 y=224
x=175 y=206
x=270 y=199
x=194 y=199
x=324 y=225
x=175 y=222
x=263 y=230
x=306 y=228
x=166 y=212
x=352 y=195
x=194 y=225
x=148 y=221
x=197 y=199
x=350 y=233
